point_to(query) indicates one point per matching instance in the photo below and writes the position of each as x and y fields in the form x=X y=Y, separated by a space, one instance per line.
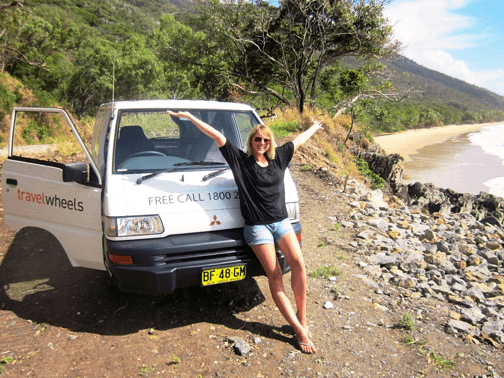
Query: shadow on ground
x=38 y=283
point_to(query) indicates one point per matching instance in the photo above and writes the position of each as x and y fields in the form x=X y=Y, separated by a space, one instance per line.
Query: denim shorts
x=267 y=233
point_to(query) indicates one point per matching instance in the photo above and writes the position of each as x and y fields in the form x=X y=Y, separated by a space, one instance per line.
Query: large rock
x=388 y=167
x=440 y=244
x=382 y=259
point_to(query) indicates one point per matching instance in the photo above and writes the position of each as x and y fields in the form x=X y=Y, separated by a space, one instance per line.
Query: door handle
x=11 y=181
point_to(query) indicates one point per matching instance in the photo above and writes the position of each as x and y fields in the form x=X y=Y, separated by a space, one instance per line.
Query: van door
x=62 y=198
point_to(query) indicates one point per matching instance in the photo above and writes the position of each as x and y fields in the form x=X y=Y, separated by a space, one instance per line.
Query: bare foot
x=305 y=344
x=304 y=323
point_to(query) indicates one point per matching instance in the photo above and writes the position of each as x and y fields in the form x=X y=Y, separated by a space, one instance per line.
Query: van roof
x=178 y=104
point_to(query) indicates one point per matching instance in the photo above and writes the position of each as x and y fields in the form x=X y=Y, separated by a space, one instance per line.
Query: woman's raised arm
x=216 y=135
x=304 y=136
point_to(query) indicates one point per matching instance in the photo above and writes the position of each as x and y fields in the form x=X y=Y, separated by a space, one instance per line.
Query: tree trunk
x=351 y=126
x=301 y=98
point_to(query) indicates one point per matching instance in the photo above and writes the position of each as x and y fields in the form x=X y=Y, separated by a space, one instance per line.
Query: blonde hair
x=265 y=129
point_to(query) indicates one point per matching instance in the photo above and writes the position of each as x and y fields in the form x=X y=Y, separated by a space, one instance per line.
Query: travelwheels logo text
x=50 y=200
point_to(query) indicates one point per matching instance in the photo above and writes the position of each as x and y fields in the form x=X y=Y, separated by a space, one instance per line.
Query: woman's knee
x=295 y=261
x=275 y=275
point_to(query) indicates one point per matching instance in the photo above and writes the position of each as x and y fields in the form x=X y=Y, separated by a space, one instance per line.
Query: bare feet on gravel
x=304 y=323
x=305 y=344
x=303 y=339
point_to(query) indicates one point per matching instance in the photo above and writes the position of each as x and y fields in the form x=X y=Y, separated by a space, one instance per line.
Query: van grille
x=217 y=256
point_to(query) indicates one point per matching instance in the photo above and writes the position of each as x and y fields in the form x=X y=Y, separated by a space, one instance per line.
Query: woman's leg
x=267 y=256
x=289 y=245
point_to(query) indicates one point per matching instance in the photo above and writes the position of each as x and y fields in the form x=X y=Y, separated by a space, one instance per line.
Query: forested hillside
x=440 y=82
x=337 y=56
x=435 y=99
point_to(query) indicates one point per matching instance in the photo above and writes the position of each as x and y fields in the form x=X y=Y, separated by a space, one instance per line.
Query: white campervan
x=155 y=204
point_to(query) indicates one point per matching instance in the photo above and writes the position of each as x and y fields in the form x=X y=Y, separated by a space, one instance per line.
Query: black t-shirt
x=261 y=189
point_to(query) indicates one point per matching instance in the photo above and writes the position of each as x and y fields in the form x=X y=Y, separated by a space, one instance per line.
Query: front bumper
x=162 y=265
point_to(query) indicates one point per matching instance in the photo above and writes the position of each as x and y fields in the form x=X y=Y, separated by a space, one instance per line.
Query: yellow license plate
x=222 y=275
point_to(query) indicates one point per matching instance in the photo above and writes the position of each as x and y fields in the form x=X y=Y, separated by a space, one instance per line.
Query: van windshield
x=151 y=140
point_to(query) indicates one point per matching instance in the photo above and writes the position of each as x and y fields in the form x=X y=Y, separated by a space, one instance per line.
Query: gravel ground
x=59 y=321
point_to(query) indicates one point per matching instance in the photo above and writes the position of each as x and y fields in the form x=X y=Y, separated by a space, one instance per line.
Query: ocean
x=467 y=163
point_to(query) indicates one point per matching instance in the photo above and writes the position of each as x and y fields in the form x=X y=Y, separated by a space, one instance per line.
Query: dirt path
x=59 y=321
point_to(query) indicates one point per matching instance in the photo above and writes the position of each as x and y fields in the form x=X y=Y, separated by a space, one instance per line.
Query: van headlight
x=133 y=226
x=293 y=211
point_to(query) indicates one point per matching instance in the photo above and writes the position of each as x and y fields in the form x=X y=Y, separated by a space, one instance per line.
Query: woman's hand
x=317 y=124
x=216 y=135
x=303 y=137
x=179 y=114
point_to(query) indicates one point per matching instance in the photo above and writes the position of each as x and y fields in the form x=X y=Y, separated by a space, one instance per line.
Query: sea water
x=491 y=141
x=467 y=163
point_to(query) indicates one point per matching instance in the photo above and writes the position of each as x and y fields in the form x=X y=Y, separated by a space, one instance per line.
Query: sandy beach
x=406 y=143
x=446 y=157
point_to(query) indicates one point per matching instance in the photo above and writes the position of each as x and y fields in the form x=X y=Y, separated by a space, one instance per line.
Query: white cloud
x=445 y=62
x=425 y=22
x=430 y=29
x=492 y=80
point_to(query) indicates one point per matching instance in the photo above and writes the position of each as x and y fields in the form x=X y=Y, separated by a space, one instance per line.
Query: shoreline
x=407 y=143
x=456 y=164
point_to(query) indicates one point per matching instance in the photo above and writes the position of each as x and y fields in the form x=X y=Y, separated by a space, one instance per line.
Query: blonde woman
x=259 y=175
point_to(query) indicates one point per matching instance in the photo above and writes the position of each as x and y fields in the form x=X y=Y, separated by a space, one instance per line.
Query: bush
x=329 y=151
x=406 y=322
x=8 y=99
x=284 y=128
x=325 y=272
x=363 y=167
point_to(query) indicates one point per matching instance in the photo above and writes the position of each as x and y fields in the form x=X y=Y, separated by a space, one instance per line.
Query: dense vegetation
x=334 y=56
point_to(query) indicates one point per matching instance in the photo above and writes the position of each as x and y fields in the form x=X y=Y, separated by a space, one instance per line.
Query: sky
x=460 y=38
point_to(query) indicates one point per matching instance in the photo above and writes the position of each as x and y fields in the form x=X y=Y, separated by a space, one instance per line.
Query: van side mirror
x=77 y=172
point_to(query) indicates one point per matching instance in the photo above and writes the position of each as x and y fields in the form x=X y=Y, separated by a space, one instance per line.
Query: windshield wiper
x=199 y=163
x=154 y=174
x=189 y=163
x=213 y=174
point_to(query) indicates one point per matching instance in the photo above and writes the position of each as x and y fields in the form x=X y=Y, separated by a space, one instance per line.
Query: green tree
x=430 y=117
x=382 y=116
x=92 y=79
x=138 y=72
x=290 y=46
x=14 y=15
x=55 y=35
x=190 y=60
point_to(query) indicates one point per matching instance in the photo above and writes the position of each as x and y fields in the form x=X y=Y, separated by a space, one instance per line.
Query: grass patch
x=363 y=168
x=283 y=128
x=336 y=227
x=305 y=168
x=5 y=361
x=145 y=369
x=329 y=151
x=335 y=291
x=339 y=256
x=325 y=272
x=410 y=340
x=174 y=362
x=438 y=360
x=406 y=322
x=429 y=353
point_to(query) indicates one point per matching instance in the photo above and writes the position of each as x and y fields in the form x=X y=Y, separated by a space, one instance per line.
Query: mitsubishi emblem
x=215 y=221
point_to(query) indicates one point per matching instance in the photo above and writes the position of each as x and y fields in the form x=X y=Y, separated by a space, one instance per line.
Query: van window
x=150 y=140
x=100 y=132
x=35 y=135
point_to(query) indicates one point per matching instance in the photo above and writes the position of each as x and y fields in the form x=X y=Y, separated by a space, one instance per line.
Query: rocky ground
x=393 y=292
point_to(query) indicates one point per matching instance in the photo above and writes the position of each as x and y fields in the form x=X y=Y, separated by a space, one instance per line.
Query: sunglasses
x=259 y=140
